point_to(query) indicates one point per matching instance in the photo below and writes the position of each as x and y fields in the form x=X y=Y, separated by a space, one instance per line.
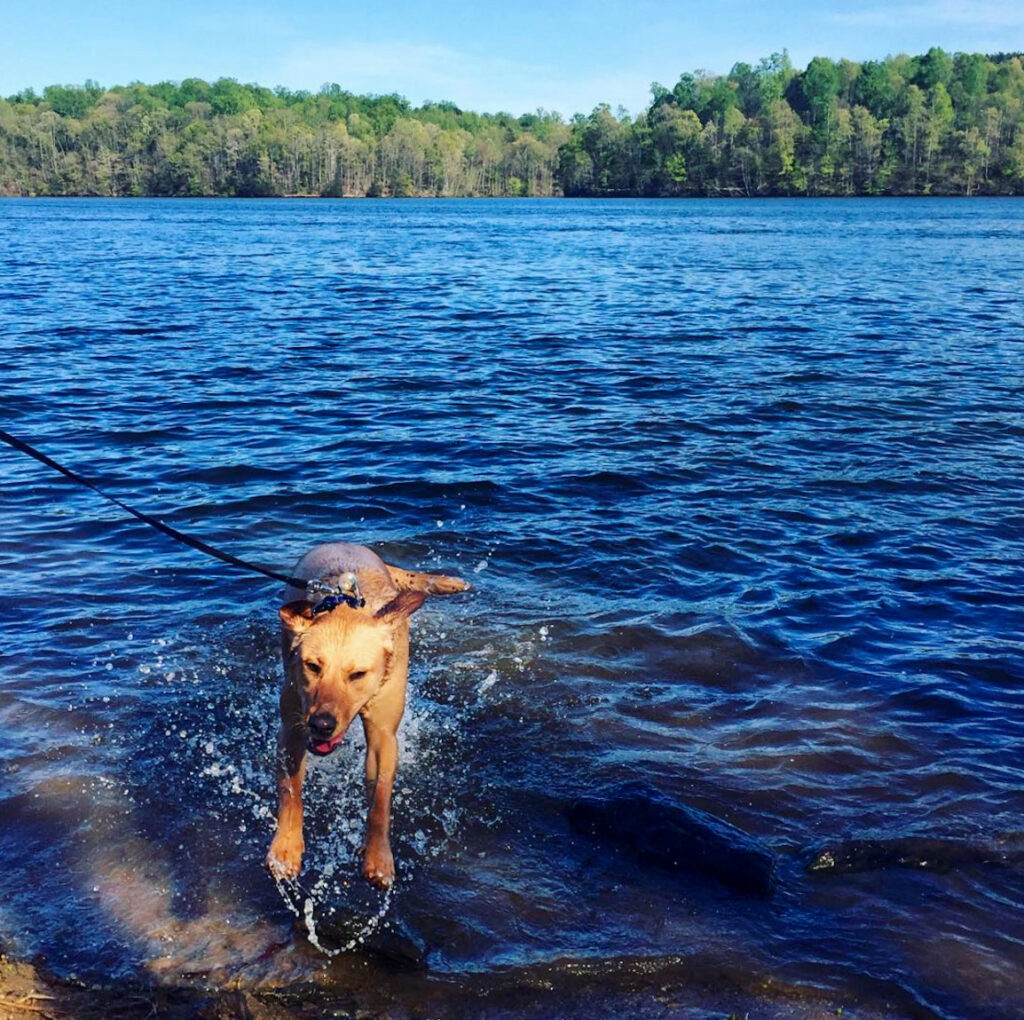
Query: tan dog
x=339 y=663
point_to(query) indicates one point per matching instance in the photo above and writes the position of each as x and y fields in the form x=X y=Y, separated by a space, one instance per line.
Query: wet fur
x=347 y=662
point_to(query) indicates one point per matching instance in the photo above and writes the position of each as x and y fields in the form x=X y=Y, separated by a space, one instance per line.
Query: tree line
x=936 y=124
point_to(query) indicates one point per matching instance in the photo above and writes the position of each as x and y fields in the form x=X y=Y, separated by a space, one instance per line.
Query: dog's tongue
x=326 y=746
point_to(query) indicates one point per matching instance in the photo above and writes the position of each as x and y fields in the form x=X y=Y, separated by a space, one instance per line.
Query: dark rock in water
x=920 y=852
x=240 y=1005
x=392 y=942
x=399 y=946
x=652 y=826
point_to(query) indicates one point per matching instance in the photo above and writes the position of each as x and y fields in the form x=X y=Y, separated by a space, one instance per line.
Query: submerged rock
x=654 y=827
x=239 y=1005
x=923 y=853
x=393 y=942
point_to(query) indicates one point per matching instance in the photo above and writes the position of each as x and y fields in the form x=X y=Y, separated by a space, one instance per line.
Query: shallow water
x=739 y=488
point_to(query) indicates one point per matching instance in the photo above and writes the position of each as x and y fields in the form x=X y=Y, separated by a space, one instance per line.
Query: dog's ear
x=405 y=603
x=297 y=616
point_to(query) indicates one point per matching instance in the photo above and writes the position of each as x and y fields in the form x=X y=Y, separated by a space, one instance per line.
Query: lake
x=740 y=490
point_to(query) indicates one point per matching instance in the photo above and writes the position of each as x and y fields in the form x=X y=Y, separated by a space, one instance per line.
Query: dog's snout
x=322 y=725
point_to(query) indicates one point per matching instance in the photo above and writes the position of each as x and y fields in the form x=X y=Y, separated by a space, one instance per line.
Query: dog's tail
x=432 y=584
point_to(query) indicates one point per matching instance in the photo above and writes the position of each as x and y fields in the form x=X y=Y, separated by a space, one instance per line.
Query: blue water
x=739 y=487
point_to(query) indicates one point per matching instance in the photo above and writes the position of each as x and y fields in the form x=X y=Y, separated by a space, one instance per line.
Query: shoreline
x=514 y=198
x=584 y=989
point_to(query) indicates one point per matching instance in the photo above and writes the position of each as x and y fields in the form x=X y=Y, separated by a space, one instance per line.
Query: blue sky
x=564 y=55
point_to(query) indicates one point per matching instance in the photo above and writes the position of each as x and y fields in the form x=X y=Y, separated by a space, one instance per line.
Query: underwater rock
x=652 y=826
x=239 y=1005
x=393 y=942
x=923 y=853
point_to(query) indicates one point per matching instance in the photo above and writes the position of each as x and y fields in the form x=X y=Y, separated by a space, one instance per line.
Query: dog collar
x=326 y=597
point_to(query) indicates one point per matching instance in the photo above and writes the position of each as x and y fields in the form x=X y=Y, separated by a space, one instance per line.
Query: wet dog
x=346 y=655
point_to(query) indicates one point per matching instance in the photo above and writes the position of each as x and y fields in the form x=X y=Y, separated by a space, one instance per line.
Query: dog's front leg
x=285 y=857
x=381 y=765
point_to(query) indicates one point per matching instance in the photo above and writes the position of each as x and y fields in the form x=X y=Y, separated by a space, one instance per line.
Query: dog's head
x=339 y=661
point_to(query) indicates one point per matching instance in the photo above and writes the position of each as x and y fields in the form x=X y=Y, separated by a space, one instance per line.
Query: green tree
x=773 y=76
x=937 y=131
x=876 y=88
x=819 y=89
x=934 y=68
x=785 y=175
x=867 y=135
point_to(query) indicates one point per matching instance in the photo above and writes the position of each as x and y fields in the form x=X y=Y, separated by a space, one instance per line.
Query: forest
x=935 y=124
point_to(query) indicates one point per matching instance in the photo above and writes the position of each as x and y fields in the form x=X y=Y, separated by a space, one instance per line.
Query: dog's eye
x=357 y=675
x=313 y=667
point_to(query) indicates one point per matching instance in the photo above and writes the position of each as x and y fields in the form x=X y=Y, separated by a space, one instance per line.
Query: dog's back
x=332 y=562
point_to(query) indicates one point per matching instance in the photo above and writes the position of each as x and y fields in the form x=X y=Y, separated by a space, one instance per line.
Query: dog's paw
x=440 y=584
x=378 y=864
x=285 y=857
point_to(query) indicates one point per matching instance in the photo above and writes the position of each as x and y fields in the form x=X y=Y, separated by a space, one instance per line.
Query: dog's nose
x=322 y=725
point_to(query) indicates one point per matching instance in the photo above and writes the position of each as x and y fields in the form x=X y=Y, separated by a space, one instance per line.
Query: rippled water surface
x=739 y=488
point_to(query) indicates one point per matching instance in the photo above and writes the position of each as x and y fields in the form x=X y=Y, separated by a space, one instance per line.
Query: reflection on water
x=743 y=518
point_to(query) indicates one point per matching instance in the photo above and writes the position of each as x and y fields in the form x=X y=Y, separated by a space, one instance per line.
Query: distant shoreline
x=503 y=198
x=936 y=124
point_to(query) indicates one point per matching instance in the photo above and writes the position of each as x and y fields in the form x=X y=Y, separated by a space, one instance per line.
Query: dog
x=344 y=655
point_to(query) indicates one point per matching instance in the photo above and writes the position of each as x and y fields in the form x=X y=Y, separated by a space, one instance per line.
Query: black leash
x=179 y=536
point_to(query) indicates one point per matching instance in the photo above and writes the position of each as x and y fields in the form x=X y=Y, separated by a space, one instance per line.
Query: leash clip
x=326 y=597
